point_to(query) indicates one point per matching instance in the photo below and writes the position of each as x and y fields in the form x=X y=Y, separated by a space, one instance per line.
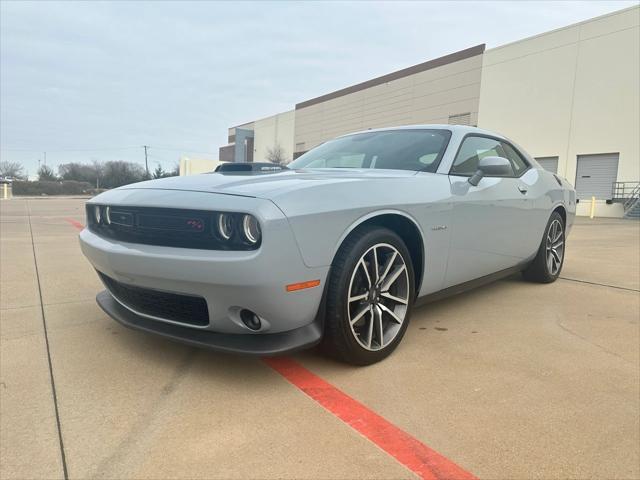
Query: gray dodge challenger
x=336 y=248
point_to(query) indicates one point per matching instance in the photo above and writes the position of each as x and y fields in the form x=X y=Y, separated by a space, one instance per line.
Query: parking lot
x=512 y=380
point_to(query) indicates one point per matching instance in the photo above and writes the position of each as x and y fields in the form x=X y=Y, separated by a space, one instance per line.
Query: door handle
x=522 y=189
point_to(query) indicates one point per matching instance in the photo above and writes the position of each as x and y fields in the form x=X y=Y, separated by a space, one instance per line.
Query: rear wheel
x=547 y=265
x=371 y=289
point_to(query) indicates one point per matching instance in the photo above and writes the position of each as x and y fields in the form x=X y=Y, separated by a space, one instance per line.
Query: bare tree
x=46 y=174
x=158 y=172
x=98 y=169
x=175 y=172
x=277 y=155
x=118 y=173
x=80 y=172
x=11 y=169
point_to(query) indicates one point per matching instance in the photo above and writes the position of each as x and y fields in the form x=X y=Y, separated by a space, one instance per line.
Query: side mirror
x=493 y=167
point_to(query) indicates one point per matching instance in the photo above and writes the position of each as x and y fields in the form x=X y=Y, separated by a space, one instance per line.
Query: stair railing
x=632 y=198
x=623 y=190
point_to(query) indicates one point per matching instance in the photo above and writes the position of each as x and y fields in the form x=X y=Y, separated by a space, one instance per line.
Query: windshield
x=418 y=150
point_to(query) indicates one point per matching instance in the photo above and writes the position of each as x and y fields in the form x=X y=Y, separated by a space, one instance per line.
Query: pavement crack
x=599 y=284
x=584 y=339
x=46 y=340
x=141 y=432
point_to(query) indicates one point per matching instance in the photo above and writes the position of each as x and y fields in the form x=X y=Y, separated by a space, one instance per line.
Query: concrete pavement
x=513 y=380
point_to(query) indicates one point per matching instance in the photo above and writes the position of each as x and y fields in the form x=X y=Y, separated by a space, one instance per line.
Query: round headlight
x=225 y=225
x=251 y=229
x=97 y=213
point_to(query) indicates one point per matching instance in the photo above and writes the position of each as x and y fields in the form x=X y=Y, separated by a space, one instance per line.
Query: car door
x=489 y=220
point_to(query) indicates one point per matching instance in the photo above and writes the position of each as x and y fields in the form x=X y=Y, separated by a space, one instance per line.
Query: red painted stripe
x=413 y=454
x=75 y=223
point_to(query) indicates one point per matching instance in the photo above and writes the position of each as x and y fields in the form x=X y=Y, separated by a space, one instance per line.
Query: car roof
x=464 y=129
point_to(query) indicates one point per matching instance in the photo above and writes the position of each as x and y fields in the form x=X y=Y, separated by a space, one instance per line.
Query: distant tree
x=46 y=174
x=12 y=169
x=276 y=154
x=98 y=171
x=159 y=172
x=80 y=172
x=175 y=172
x=118 y=173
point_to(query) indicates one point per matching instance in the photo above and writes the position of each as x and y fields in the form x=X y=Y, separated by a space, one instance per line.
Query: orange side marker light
x=302 y=285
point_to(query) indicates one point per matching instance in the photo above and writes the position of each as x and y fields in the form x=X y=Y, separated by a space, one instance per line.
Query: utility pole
x=146 y=162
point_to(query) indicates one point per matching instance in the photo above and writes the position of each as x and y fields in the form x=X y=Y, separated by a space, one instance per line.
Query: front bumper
x=228 y=280
x=263 y=345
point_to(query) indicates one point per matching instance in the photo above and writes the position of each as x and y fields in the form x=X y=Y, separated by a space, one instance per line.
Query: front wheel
x=371 y=289
x=546 y=267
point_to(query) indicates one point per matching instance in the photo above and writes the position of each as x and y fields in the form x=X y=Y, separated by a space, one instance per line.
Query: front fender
x=321 y=220
x=374 y=214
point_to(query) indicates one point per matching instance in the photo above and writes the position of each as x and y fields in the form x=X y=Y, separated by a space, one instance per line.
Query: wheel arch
x=405 y=227
x=563 y=213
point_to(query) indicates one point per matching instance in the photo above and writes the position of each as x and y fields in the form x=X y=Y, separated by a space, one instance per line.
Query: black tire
x=539 y=269
x=340 y=338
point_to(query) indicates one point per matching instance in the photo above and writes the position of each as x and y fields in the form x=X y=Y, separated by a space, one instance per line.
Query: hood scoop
x=257 y=168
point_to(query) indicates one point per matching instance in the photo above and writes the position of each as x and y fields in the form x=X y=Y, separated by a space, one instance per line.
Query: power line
x=61 y=150
x=183 y=150
x=67 y=149
x=160 y=159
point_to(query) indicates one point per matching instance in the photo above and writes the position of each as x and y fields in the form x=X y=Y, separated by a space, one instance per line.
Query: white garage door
x=549 y=163
x=595 y=175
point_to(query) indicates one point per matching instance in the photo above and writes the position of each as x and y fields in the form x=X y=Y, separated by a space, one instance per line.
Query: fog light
x=250 y=319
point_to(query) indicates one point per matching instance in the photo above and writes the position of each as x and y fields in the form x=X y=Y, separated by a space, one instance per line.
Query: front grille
x=169 y=227
x=188 y=309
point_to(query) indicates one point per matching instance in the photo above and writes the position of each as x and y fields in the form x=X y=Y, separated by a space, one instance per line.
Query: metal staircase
x=628 y=193
x=633 y=211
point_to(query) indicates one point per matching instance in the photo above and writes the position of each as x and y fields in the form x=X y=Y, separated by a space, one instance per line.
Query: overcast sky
x=92 y=80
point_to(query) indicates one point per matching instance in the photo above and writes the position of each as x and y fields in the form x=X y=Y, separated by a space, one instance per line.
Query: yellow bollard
x=593 y=208
x=6 y=191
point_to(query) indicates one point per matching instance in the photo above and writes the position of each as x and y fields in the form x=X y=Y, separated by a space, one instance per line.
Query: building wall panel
x=421 y=97
x=275 y=130
x=569 y=92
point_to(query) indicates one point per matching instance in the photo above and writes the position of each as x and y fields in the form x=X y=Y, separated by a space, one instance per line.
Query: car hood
x=268 y=185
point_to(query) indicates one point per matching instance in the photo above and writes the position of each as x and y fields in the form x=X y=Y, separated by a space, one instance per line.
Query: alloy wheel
x=555 y=247
x=378 y=296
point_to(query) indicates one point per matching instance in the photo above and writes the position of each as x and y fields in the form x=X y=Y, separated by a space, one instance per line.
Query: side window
x=472 y=150
x=518 y=163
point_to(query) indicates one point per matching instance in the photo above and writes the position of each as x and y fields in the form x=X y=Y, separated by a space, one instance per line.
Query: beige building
x=444 y=90
x=272 y=134
x=193 y=166
x=570 y=97
x=258 y=141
